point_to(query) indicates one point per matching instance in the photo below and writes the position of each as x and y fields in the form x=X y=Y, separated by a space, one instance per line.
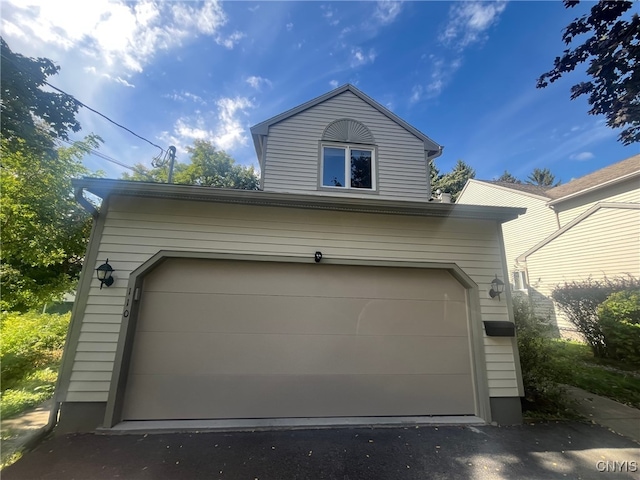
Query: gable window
x=346 y=166
x=347 y=156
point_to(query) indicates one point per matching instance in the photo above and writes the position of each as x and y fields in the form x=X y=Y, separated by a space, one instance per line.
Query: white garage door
x=237 y=339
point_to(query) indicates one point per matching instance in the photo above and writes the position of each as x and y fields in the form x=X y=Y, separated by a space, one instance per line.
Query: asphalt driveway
x=539 y=451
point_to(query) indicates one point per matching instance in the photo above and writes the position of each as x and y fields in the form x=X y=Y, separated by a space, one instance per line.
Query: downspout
x=86 y=204
x=55 y=407
x=431 y=155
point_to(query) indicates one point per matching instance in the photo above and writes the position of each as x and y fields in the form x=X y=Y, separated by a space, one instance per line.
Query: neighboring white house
x=587 y=228
x=338 y=290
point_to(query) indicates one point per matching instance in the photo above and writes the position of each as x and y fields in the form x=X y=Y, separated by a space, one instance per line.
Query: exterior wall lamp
x=105 y=274
x=497 y=287
x=317 y=257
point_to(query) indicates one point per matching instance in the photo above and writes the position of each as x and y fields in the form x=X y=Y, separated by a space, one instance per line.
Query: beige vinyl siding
x=292 y=151
x=605 y=243
x=525 y=231
x=628 y=191
x=137 y=228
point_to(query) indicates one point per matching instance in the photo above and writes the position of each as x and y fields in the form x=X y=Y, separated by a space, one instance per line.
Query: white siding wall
x=624 y=192
x=525 y=231
x=606 y=243
x=292 y=151
x=137 y=228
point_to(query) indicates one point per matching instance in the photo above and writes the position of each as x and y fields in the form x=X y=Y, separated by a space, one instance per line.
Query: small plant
x=619 y=317
x=29 y=341
x=544 y=397
x=580 y=301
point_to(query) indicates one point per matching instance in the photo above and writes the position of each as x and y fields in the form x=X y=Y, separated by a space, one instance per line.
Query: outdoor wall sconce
x=497 y=287
x=104 y=273
x=317 y=257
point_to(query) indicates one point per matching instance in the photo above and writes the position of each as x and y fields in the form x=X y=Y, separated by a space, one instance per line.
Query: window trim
x=348 y=147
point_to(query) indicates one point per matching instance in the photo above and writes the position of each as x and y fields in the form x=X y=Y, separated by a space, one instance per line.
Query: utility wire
x=105 y=117
x=102 y=155
x=10 y=60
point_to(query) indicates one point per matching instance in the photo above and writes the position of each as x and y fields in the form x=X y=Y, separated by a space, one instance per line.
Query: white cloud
x=122 y=36
x=441 y=74
x=359 y=57
x=329 y=15
x=468 y=22
x=184 y=96
x=117 y=79
x=224 y=128
x=387 y=11
x=122 y=81
x=289 y=26
x=231 y=40
x=258 y=82
x=582 y=156
x=333 y=83
x=230 y=132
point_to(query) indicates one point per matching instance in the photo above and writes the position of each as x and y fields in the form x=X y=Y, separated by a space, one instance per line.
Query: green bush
x=543 y=395
x=580 y=301
x=29 y=341
x=619 y=317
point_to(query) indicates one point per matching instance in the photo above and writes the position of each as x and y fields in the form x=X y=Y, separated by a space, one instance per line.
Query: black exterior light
x=104 y=273
x=497 y=287
x=317 y=257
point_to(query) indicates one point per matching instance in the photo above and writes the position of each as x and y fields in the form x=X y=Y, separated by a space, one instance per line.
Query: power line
x=10 y=60
x=102 y=155
x=105 y=117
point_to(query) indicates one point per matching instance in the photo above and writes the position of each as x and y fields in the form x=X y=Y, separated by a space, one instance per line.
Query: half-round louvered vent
x=348 y=131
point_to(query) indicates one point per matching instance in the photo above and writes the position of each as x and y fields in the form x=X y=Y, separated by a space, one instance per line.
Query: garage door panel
x=175 y=312
x=323 y=280
x=241 y=339
x=295 y=354
x=195 y=397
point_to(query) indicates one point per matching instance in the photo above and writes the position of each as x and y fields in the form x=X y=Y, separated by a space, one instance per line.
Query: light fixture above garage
x=105 y=274
x=317 y=257
x=497 y=287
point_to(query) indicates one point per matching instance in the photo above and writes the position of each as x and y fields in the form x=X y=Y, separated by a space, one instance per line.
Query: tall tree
x=612 y=49
x=208 y=166
x=508 y=178
x=543 y=178
x=44 y=230
x=30 y=113
x=454 y=181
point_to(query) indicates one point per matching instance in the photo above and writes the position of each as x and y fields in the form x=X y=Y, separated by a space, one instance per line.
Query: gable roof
x=262 y=129
x=573 y=223
x=525 y=189
x=618 y=172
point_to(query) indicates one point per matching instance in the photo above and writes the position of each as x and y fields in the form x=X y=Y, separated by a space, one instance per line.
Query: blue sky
x=463 y=73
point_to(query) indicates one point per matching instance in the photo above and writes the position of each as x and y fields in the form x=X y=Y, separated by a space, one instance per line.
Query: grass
x=30 y=391
x=575 y=365
x=30 y=356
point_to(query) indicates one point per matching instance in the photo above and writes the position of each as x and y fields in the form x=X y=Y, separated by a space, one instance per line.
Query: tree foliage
x=543 y=178
x=612 y=48
x=454 y=181
x=508 y=178
x=208 y=166
x=44 y=230
x=580 y=301
x=30 y=113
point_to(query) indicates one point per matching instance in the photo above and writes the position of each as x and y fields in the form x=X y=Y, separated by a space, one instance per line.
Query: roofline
x=502 y=187
x=106 y=187
x=579 y=193
x=574 y=222
x=262 y=128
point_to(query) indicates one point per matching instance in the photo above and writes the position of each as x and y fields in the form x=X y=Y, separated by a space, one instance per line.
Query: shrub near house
x=619 y=317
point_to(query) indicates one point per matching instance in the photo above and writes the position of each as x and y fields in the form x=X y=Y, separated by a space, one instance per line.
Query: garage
x=232 y=339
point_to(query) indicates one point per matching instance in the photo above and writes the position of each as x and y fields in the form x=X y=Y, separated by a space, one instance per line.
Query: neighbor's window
x=348 y=167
